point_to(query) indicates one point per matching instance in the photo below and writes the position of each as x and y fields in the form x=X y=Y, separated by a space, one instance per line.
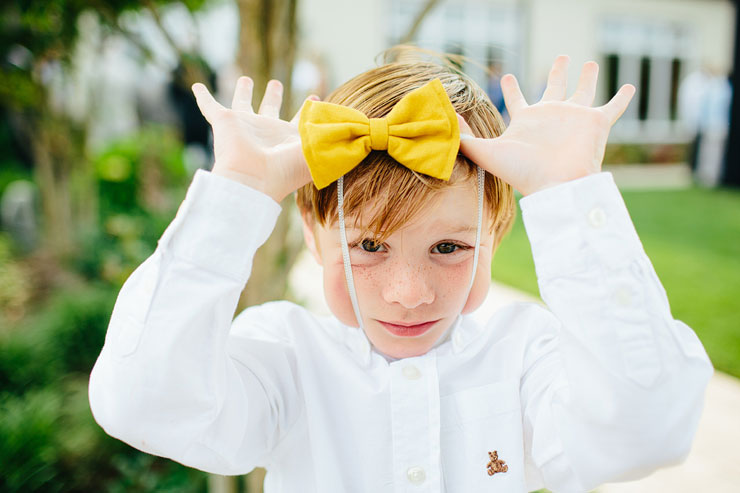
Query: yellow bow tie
x=421 y=132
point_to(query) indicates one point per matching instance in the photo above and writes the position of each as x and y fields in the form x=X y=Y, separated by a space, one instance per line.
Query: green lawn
x=693 y=239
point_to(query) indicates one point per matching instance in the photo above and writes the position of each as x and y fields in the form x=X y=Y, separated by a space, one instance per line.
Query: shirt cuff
x=577 y=222
x=220 y=225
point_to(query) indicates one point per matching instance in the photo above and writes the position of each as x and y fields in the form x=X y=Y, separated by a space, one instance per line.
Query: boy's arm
x=164 y=381
x=613 y=387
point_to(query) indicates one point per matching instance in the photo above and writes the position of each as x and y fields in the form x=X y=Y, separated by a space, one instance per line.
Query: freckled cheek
x=337 y=296
x=452 y=282
x=370 y=283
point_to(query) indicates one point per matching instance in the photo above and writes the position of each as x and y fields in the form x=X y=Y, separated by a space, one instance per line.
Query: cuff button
x=597 y=217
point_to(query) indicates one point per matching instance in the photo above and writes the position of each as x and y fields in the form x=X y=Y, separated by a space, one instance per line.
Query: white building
x=652 y=44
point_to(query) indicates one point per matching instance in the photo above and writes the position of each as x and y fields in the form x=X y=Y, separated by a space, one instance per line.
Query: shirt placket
x=415 y=424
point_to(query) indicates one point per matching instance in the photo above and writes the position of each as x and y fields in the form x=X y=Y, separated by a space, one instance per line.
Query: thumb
x=481 y=151
x=297 y=116
x=208 y=106
x=297 y=170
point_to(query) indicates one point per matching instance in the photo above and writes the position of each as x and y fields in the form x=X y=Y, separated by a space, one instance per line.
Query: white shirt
x=603 y=386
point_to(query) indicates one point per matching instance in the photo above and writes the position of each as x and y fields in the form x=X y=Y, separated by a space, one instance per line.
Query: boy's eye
x=370 y=245
x=446 y=248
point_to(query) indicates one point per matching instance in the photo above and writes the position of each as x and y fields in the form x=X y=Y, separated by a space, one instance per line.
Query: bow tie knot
x=378 y=134
x=421 y=132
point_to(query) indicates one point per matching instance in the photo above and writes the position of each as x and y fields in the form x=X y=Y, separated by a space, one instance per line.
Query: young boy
x=400 y=391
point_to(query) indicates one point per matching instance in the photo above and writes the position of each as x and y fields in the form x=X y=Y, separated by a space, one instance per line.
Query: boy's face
x=412 y=287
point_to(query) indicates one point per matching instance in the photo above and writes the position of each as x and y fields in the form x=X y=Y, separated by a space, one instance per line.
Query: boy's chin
x=400 y=353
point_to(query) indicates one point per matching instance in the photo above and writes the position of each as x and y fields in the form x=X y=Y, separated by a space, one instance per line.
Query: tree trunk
x=267 y=51
x=267 y=48
x=65 y=180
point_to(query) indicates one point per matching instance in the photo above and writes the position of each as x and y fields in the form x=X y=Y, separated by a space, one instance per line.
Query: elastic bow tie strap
x=421 y=132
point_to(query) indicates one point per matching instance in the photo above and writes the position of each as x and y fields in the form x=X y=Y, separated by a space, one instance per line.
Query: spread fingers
x=513 y=96
x=242 y=100
x=586 y=90
x=272 y=100
x=557 y=80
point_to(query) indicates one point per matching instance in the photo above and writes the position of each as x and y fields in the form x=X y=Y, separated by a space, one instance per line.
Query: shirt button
x=416 y=475
x=597 y=217
x=411 y=372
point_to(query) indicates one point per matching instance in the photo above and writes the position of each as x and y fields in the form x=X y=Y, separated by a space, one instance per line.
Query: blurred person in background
x=704 y=105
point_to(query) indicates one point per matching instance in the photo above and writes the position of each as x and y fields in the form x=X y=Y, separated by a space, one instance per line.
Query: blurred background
x=100 y=136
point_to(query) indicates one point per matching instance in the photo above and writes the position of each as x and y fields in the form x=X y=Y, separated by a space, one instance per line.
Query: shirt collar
x=358 y=343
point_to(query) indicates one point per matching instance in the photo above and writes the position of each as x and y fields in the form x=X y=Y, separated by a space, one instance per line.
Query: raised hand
x=553 y=141
x=257 y=149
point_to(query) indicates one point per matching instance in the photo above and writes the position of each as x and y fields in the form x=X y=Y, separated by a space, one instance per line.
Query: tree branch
x=416 y=23
x=158 y=21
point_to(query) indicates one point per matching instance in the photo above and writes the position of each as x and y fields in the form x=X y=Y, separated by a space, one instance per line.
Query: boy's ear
x=309 y=236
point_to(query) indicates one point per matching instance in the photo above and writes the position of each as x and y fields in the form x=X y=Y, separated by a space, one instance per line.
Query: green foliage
x=74 y=325
x=64 y=337
x=10 y=168
x=49 y=440
x=47 y=29
x=15 y=288
x=46 y=356
x=11 y=171
x=18 y=90
x=134 y=171
x=28 y=428
x=645 y=153
x=141 y=181
x=145 y=473
x=23 y=363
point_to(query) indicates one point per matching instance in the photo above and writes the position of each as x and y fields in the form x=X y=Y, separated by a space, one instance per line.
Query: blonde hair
x=389 y=192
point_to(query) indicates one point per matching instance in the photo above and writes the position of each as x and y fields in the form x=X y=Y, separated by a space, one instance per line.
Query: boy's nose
x=408 y=286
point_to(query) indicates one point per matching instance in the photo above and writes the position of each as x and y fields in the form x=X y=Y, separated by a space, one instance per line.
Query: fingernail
x=466 y=136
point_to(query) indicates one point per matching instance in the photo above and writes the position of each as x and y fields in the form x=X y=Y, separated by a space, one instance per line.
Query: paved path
x=713 y=466
x=651 y=176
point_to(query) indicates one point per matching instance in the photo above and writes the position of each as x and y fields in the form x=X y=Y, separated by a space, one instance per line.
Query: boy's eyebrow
x=440 y=227
x=448 y=228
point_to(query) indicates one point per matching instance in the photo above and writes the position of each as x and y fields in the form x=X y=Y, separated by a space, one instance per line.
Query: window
x=486 y=34
x=651 y=55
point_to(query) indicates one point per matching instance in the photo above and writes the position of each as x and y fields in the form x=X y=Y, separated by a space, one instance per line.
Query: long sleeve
x=164 y=381
x=614 y=387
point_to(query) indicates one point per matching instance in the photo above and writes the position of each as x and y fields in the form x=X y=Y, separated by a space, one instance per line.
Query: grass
x=693 y=239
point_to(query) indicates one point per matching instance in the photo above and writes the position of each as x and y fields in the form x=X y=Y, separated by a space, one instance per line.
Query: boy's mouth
x=405 y=329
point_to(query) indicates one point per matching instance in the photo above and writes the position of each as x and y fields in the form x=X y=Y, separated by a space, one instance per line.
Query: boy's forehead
x=453 y=209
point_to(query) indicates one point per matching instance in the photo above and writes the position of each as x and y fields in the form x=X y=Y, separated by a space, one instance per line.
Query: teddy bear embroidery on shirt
x=495 y=464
